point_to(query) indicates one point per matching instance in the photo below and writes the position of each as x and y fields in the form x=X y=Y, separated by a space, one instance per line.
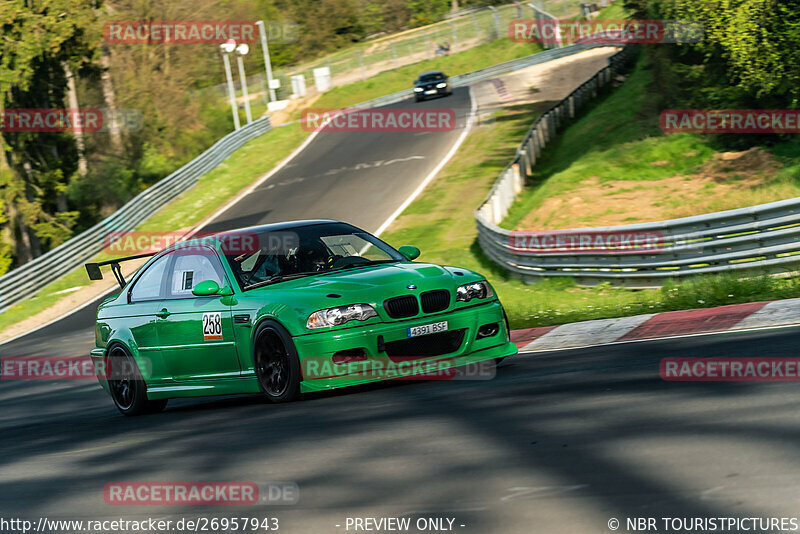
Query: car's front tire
x=276 y=363
x=125 y=381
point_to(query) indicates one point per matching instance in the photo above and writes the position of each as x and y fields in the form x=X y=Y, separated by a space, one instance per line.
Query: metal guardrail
x=765 y=238
x=462 y=80
x=34 y=275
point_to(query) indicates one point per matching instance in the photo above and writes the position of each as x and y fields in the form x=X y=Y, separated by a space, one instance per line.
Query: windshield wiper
x=278 y=278
x=365 y=263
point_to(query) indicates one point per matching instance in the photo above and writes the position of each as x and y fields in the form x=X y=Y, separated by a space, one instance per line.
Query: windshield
x=427 y=78
x=306 y=250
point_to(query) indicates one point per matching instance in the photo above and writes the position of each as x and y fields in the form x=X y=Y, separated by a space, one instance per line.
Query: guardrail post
x=488 y=211
x=545 y=129
x=531 y=152
x=519 y=183
x=540 y=143
x=507 y=191
x=524 y=162
x=496 y=208
x=571 y=103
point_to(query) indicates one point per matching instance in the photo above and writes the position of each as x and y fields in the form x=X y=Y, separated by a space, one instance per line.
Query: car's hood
x=369 y=285
x=377 y=282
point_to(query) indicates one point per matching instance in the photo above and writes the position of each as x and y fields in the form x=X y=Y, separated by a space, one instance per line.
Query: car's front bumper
x=320 y=371
x=436 y=92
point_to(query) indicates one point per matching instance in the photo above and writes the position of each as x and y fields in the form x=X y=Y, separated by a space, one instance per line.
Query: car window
x=305 y=250
x=188 y=270
x=354 y=245
x=148 y=286
x=431 y=77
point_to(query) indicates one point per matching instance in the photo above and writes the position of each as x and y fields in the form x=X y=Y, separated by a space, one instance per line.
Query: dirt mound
x=727 y=180
x=747 y=164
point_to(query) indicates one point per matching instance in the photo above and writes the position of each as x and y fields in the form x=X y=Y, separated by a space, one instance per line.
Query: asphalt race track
x=557 y=442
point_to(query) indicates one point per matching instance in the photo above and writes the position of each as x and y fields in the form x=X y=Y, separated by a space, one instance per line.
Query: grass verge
x=614 y=166
x=441 y=223
x=392 y=81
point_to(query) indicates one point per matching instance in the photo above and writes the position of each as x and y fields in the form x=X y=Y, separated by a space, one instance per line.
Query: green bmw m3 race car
x=286 y=308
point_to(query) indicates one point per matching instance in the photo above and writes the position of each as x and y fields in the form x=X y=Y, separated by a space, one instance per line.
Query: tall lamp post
x=267 y=63
x=226 y=48
x=241 y=51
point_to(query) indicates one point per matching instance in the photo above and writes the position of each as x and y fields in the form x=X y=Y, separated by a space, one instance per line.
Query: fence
x=764 y=238
x=34 y=275
x=461 y=80
x=463 y=31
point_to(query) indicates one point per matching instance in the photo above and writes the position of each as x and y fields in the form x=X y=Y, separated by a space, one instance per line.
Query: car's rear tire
x=128 y=390
x=276 y=363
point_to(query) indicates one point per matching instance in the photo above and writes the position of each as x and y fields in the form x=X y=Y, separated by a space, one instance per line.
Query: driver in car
x=314 y=256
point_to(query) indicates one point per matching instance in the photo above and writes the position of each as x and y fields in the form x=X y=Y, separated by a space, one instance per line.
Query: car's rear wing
x=94 y=272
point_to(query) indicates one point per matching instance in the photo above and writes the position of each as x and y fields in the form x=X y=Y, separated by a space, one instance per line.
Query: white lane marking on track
x=255 y=185
x=333 y=172
x=773 y=313
x=596 y=332
x=664 y=338
x=435 y=171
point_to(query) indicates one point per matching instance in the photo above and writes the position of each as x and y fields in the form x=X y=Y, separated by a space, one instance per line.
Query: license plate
x=427 y=329
x=430 y=92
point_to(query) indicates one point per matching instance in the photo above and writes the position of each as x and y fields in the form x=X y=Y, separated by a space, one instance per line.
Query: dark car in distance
x=434 y=83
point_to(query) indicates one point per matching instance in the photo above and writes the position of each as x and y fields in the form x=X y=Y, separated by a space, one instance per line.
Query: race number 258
x=212 y=326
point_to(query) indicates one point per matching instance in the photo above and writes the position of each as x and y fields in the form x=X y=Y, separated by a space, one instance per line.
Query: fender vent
x=241 y=319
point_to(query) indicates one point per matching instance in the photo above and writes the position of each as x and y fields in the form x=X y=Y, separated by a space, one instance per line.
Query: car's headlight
x=475 y=290
x=418 y=89
x=441 y=85
x=340 y=315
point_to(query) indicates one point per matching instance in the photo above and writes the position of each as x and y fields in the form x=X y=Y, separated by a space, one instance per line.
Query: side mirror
x=205 y=288
x=411 y=253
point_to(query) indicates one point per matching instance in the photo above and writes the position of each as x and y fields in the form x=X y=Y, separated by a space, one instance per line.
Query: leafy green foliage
x=748 y=56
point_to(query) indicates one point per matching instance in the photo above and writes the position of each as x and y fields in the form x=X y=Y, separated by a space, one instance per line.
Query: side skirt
x=203 y=388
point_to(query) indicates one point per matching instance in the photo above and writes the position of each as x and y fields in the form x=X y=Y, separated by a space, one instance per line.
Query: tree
x=749 y=53
x=38 y=40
